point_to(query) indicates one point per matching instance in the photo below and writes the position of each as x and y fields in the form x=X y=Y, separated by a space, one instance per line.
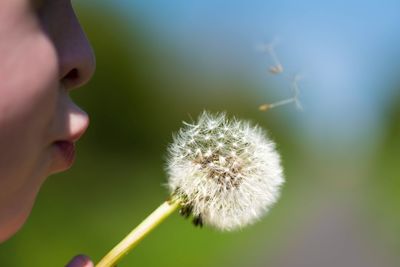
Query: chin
x=14 y=223
x=16 y=209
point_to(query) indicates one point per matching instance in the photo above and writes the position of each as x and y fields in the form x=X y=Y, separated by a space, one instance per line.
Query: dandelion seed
x=208 y=153
x=269 y=48
x=277 y=68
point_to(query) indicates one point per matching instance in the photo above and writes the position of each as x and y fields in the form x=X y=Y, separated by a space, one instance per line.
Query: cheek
x=27 y=105
x=29 y=89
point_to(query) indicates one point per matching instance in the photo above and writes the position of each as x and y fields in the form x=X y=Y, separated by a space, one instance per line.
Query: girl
x=44 y=54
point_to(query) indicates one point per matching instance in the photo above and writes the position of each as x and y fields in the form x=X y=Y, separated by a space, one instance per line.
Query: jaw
x=16 y=208
x=12 y=220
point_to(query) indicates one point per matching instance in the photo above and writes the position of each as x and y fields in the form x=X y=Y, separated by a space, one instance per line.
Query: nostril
x=72 y=79
x=72 y=76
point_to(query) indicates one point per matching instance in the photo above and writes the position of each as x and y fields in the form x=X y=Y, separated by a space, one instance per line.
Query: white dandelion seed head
x=232 y=175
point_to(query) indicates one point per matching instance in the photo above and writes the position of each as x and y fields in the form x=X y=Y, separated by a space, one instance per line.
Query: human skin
x=44 y=54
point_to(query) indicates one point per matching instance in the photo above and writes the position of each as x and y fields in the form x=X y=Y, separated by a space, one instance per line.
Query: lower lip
x=67 y=151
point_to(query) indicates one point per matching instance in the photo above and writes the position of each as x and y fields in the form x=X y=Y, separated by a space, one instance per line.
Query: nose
x=76 y=58
x=70 y=121
x=78 y=122
x=76 y=62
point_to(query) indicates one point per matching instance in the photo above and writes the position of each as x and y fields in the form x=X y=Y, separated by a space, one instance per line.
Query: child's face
x=43 y=55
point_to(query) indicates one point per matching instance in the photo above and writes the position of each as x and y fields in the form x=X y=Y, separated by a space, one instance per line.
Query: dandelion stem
x=140 y=232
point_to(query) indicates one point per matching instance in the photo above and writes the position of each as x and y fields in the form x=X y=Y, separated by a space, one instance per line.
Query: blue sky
x=347 y=50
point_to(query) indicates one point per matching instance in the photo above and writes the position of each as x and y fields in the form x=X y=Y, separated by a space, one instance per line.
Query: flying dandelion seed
x=294 y=99
x=277 y=68
x=269 y=48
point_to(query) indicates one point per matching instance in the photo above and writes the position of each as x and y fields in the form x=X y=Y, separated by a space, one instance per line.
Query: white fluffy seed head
x=226 y=173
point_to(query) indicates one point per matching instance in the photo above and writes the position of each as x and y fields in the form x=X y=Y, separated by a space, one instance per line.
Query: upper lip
x=72 y=138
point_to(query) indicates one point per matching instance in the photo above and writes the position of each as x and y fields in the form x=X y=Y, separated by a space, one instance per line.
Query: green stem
x=137 y=234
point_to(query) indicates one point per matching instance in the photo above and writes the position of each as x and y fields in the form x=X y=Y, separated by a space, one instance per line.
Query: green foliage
x=385 y=185
x=139 y=95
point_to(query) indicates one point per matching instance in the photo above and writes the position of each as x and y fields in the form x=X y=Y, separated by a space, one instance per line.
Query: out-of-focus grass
x=90 y=208
x=384 y=190
x=136 y=100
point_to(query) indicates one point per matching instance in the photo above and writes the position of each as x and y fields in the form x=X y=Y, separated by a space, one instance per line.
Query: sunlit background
x=161 y=62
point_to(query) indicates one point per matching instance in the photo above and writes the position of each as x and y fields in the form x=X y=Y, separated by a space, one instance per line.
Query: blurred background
x=162 y=62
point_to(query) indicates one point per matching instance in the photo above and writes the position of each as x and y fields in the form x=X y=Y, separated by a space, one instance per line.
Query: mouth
x=65 y=154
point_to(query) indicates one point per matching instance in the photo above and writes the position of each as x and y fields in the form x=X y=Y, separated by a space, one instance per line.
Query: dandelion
x=240 y=174
x=222 y=172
